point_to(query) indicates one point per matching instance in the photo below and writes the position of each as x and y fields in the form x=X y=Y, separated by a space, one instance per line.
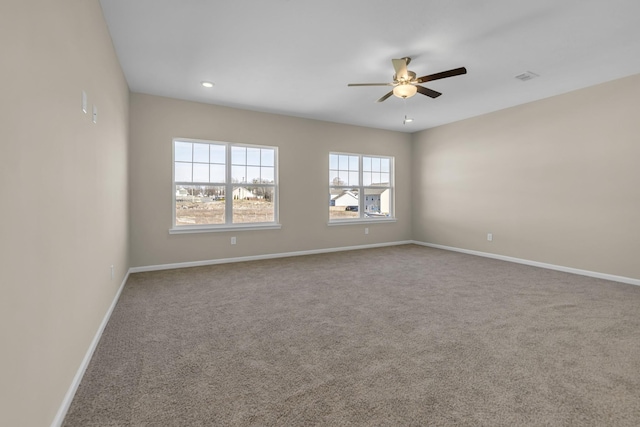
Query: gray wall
x=555 y=181
x=64 y=216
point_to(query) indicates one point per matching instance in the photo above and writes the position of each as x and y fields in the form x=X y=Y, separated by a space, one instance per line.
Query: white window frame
x=228 y=184
x=361 y=219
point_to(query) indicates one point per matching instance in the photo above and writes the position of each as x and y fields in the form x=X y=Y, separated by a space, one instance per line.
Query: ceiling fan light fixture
x=405 y=90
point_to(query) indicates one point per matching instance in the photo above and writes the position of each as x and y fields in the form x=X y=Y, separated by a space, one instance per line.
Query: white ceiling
x=295 y=57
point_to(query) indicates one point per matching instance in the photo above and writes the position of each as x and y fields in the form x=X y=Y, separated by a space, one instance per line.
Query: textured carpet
x=403 y=335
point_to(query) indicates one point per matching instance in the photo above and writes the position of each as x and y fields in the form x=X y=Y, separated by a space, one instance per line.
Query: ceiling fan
x=405 y=84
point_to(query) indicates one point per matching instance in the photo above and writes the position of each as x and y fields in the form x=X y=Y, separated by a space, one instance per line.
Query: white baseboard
x=261 y=257
x=66 y=403
x=596 y=274
x=68 y=398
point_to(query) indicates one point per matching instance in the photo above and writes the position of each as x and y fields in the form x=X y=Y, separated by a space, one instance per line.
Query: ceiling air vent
x=527 y=75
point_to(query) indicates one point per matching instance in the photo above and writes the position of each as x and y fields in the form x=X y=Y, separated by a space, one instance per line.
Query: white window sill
x=361 y=221
x=186 y=229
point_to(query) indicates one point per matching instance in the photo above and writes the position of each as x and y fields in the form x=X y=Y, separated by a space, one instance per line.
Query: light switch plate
x=84 y=102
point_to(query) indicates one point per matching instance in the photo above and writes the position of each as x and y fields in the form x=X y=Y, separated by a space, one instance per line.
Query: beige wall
x=555 y=181
x=304 y=147
x=64 y=216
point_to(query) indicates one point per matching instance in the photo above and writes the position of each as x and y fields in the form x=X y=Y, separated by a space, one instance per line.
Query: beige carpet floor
x=396 y=336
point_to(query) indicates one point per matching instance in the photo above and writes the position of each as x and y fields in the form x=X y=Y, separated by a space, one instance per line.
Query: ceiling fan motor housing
x=411 y=76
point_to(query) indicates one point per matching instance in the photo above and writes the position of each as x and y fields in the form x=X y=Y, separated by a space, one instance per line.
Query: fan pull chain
x=406 y=118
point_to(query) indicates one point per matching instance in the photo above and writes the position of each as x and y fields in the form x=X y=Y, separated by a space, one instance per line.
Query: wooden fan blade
x=442 y=75
x=400 y=66
x=370 y=84
x=385 y=97
x=429 y=92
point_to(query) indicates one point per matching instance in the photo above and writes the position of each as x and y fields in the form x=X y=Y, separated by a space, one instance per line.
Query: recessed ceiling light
x=207 y=84
x=407 y=120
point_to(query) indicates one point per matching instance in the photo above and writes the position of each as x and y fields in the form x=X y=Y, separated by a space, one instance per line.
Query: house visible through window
x=221 y=185
x=360 y=187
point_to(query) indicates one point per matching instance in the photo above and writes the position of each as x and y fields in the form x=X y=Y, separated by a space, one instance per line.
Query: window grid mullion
x=228 y=196
x=360 y=187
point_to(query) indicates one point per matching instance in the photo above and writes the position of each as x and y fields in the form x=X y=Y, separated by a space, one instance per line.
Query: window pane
x=343 y=178
x=333 y=178
x=333 y=161
x=238 y=155
x=217 y=173
x=343 y=162
x=366 y=178
x=268 y=156
x=253 y=174
x=253 y=156
x=268 y=176
x=238 y=174
x=201 y=153
x=377 y=203
x=353 y=163
x=200 y=172
x=199 y=205
x=375 y=178
x=217 y=154
x=375 y=164
x=183 y=151
x=366 y=164
x=354 y=178
x=384 y=179
x=385 y=165
x=343 y=203
x=253 y=204
x=183 y=172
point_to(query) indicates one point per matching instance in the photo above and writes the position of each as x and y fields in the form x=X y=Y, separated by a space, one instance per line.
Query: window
x=360 y=187
x=219 y=185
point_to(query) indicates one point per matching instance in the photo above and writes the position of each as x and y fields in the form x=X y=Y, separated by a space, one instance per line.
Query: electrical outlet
x=233 y=240
x=112 y=273
x=490 y=237
x=366 y=230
